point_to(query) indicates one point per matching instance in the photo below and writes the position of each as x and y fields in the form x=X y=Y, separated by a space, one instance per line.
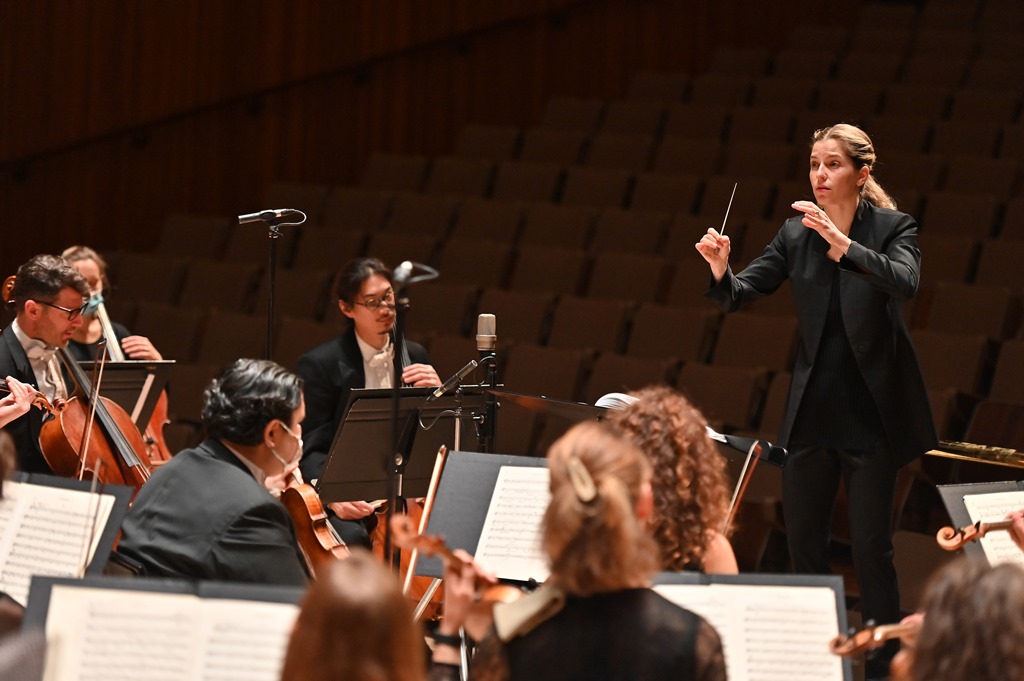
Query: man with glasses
x=362 y=357
x=49 y=297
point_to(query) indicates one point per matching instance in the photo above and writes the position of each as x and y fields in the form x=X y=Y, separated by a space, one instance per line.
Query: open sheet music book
x=176 y=631
x=53 y=530
x=510 y=540
x=773 y=628
x=993 y=507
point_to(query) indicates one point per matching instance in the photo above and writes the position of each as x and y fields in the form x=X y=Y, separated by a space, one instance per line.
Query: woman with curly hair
x=691 y=494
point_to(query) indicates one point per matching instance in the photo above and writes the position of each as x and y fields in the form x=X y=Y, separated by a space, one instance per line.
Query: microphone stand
x=396 y=466
x=274 y=222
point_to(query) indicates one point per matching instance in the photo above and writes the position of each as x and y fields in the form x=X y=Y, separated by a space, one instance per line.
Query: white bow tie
x=42 y=352
x=382 y=358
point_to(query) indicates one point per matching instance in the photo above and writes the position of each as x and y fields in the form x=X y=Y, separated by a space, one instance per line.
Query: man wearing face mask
x=208 y=512
x=84 y=342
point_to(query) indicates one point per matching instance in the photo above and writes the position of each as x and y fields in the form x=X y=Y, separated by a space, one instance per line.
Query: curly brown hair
x=691 y=492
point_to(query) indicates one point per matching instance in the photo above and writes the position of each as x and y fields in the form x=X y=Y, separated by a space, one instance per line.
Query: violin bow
x=746 y=474
x=428 y=506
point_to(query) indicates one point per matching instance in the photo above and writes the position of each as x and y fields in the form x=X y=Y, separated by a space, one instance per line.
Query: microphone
x=486 y=339
x=269 y=215
x=402 y=275
x=453 y=381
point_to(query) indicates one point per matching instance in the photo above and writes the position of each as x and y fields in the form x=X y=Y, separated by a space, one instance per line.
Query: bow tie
x=382 y=358
x=41 y=352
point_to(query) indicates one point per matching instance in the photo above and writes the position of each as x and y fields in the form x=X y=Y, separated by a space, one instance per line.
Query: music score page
x=993 y=507
x=510 y=540
x=47 y=531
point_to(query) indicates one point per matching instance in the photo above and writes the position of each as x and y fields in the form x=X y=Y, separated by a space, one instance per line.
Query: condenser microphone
x=454 y=381
x=486 y=338
x=409 y=272
x=270 y=215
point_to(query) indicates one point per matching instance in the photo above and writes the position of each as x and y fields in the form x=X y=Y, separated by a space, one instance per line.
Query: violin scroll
x=952 y=539
x=871 y=637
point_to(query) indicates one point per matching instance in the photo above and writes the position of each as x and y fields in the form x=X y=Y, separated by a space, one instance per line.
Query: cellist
x=49 y=297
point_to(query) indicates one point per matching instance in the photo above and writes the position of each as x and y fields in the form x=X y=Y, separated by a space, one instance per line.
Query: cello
x=92 y=437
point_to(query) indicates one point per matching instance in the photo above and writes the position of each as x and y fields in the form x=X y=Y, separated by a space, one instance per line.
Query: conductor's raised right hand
x=715 y=248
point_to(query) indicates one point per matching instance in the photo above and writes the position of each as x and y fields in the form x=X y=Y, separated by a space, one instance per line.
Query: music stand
x=359 y=461
x=135 y=385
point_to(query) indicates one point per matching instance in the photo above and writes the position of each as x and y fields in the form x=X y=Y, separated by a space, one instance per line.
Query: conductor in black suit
x=208 y=512
x=857 y=407
x=361 y=357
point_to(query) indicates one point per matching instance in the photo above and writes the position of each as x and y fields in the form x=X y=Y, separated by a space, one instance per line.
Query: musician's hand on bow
x=351 y=510
x=715 y=248
x=1016 y=528
x=421 y=376
x=140 y=347
x=18 y=402
x=816 y=219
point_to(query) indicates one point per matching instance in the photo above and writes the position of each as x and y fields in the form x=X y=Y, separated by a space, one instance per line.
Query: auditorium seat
x=549 y=269
x=740 y=61
x=479 y=218
x=939 y=70
x=554 y=372
x=721 y=89
x=573 y=113
x=756 y=341
x=301 y=293
x=395 y=172
x=634 y=231
x=689 y=282
x=172 y=329
x=973 y=104
x=309 y=198
x=449 y=352
x=441 y=307
x=688 y=156
x=1007 y=385
x=356 y=208
x=971 y=308
x=295 y=336
x=665 y=192
x=757 y=160
x=557 y=225
x=805 y=62
x=997 y=424
x=919 y=102
x=969 y=374
x=965 y=138
x=480 y=262
x=1012 y=142
x=622 y=374
x=422 y=214
x=250 y=243
x=955 y=213
x=488 y=142
x=947 y=257
x=730 y=397
x=995 y=73
x=520 y=317
x=224 y=285
x=685 y=231
x=752 y=201
x=999 y=265
x=902 y=132
x=653 y=86
x=394 y=248
x=997 y=177
x=185 y=390
x=527 y=181
x=621 y=150
x=869 y=66
x=457 y=176
x=627 y=276
x=633 y=116
x=229 y=335
x=853 y=99
x=661 y=331
x=599 y=325
x=327 y=248
x=778 y=92
x=774 y=409
x=771 y=125
x=1013 y=221
x=922 y=172
x=193 y=236
x=787 y=192
x=552 y=145
x=598 y=187
x=697 y=121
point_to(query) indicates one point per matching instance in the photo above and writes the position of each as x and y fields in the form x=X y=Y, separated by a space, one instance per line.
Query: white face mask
x=298 y=450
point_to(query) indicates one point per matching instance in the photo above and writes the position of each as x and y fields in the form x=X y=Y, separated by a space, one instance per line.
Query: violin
x=39 y=400
x=318 y=540
x=92 y=437
x=952 y=539
x=405 y=535
x=872 y=638
x=156 y=445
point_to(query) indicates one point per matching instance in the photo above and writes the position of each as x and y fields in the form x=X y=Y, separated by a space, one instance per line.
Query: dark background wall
x=118 y=112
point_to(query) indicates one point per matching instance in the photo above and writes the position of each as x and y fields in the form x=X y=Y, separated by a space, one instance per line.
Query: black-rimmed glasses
x=375 y=303
x=72 y=313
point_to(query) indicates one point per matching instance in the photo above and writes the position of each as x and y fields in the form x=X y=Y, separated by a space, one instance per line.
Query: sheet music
x=510 y=540
x=993 y=507
x=172 y=637
x=769 y=633
x=47 y=531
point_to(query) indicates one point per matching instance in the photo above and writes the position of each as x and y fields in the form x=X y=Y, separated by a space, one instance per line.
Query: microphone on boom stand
x=486 y=344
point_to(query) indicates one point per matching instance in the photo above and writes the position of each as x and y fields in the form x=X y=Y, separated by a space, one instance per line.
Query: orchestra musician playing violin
x=85 y=340
x=49 y=297
x=17 y=402
x=361 y=357
x=691 y=494
x=595 y=617
x=208 y=513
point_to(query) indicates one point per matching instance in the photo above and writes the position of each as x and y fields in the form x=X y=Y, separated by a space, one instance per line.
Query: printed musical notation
x=47 y=531
x=993 y=507
x=510 y=541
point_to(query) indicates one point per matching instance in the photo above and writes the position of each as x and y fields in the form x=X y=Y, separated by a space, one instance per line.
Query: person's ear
x=346 y=309
x=645 y=502
x=269 y=437
x=864 y=173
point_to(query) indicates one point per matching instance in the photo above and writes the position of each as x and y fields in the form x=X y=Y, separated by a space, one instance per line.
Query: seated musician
x=595 y=617
x=359 y=358
x=84 y=341
x=206 y=513
x=49 y=297
x=691 y=495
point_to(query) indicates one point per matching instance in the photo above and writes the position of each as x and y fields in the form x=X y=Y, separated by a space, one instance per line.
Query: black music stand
x=135 y=385
x=360 y=459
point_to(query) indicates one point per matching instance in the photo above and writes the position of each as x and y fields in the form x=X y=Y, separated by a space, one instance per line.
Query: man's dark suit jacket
x=879 y=273
x=25 y=429
x=203 y=515
x=330 y=371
